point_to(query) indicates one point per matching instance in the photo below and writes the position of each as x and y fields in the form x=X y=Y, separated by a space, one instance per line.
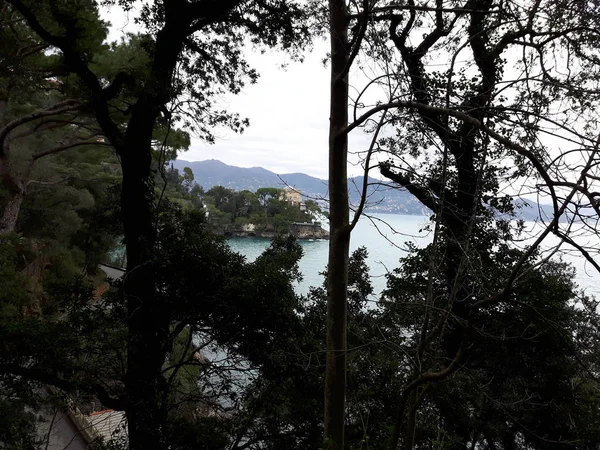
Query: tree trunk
x=148 y=320
x=339 y=243
x=411 y=420
x=4 y=99
x=146 y=323
x=508 y=440
x=397 y=427
x=10 y=215
x=3 y=107
x=16 y=193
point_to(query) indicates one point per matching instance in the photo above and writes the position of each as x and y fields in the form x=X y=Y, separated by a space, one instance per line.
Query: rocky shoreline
x=302 y=231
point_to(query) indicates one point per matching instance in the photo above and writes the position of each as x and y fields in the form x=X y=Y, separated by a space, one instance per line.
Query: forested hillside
x=265 y=213
x=481 y=339
x=383 y=196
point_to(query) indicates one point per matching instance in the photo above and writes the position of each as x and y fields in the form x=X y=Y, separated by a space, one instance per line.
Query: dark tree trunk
x=397 y=427
x=508 y=440
x=455 y=419
x=464 y=148
x=148 y=320
x=3 y=107
x=146 y=323
x=16 y=193
x=339 y=243
x=459 y=230
x=411 y=420
x=461 y=200
x=8 y=222
x=4 y=100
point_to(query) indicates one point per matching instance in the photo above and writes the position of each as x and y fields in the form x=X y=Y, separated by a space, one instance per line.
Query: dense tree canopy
x=469 y=105
x=477 y=342
x=189 y=54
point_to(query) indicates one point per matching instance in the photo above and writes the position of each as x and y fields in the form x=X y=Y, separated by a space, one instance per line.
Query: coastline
x=301 y=231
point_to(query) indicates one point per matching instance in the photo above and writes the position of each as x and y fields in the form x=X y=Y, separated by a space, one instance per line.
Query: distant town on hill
x=382 y=197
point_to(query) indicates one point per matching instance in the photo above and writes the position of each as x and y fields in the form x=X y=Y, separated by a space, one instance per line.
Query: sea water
x=386 y=237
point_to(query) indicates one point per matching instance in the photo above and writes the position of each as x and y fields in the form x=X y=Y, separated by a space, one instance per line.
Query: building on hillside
x=79 y=425
x=70 y=428
x=291 y=195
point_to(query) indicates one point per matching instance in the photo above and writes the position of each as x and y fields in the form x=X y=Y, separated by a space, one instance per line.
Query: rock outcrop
x=298 y=230
x=309 y=231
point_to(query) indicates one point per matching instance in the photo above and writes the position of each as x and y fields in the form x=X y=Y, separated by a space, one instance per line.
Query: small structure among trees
x=291 y=195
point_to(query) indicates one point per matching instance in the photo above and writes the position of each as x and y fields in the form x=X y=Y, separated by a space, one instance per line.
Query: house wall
x=58 y=432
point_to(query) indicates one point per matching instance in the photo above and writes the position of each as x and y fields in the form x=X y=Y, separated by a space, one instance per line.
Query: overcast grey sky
x=289 y=117
x=288 y=111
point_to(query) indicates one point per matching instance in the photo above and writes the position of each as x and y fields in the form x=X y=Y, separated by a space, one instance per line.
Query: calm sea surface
x=385 y=236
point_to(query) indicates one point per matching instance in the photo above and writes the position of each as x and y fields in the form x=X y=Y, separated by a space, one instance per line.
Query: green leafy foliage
x=14 y=294
x=241 y=357
x=524 y=404
x=266 y=209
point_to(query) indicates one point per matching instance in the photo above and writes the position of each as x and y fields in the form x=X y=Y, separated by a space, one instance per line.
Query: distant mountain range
x=382 y=198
